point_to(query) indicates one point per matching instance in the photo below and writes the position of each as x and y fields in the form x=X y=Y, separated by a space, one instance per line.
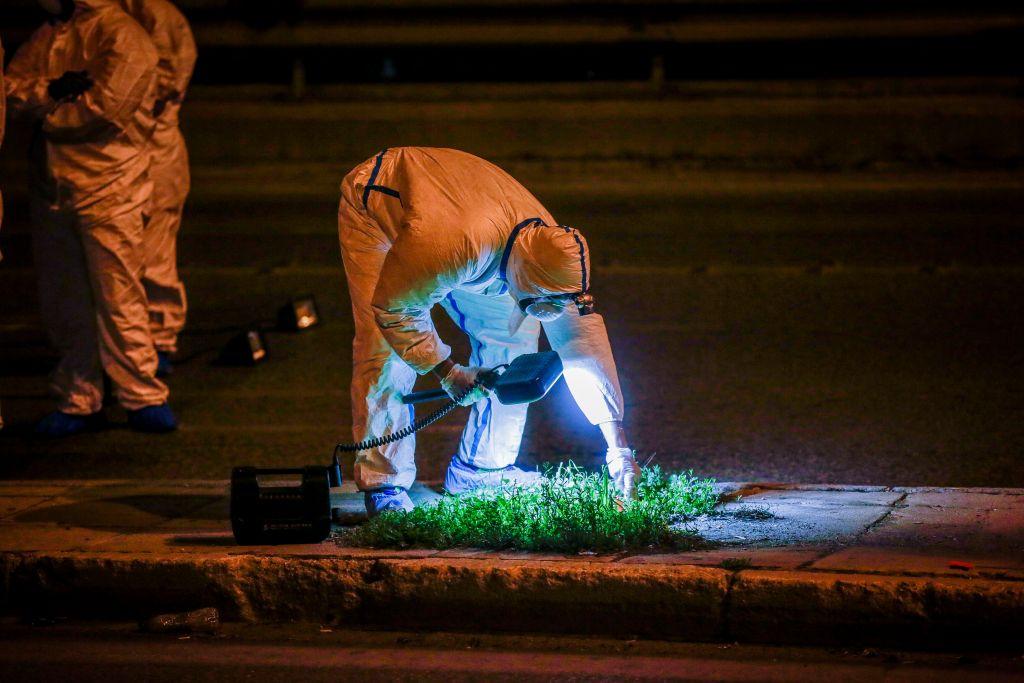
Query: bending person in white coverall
x=423 y=226
x=176 y=48
x=88 y=78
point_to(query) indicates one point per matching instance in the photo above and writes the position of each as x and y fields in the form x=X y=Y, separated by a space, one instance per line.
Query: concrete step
x=634 y=215
x=396 y=29
x=840 y=133
x=799 y=130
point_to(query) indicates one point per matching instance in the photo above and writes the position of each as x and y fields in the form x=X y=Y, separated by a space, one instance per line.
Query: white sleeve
x=418 y=272
x=123 y=71
x=26 y=87
x=582 y=343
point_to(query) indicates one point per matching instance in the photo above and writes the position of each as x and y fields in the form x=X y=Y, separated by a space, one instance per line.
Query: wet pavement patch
x=780 y=518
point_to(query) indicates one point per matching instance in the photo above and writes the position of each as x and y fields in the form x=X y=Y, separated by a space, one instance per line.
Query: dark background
x=805 y=218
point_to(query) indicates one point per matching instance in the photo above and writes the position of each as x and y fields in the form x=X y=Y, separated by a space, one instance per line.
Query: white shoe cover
x=462 y=478
x=387 y=499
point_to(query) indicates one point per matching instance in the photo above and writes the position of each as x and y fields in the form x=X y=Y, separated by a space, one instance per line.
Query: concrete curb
x=784 y=563
x=827 y=608
x=580 y=597
x=431 y=593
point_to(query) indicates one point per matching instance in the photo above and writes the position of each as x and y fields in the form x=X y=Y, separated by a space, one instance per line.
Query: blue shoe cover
x=164 y=366
x=392 y=498
x=153 y=419
x=57 y=424
x=462 y=478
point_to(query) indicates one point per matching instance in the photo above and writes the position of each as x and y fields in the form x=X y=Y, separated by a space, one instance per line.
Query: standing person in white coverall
x=88 y=77
x=423 y=226
x=176 y=49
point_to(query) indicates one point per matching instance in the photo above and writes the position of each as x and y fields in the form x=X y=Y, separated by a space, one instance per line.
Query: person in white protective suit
x=88 y=79
x=176 y=48
x=423 y=226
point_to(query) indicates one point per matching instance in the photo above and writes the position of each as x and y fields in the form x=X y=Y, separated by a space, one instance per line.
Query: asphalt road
x=852 y=328
x=311 y=653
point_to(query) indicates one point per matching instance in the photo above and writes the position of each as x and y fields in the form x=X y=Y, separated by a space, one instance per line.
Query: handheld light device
x=528 y=378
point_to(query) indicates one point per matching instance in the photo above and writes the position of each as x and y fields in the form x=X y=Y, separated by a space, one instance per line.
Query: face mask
x=546 y=311
x=533 y=310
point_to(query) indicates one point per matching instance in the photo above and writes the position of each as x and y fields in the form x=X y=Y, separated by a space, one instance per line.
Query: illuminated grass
x=569 y=511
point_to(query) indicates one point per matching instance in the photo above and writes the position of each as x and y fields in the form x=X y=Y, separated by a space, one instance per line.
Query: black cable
x=486 y=379
x=416 y=426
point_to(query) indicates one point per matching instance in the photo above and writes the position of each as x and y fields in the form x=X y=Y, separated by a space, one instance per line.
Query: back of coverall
x=422 y=226
x=176 y=49
x=89 y=190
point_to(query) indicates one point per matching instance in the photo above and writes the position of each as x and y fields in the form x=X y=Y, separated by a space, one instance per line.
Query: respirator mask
x=551 y=307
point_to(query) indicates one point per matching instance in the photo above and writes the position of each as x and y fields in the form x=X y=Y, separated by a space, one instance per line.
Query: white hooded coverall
x=89 y=189
x=421 y=226
x=176 y=49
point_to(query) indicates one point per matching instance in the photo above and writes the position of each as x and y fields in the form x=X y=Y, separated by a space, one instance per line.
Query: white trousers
x=93 y=304
x=164 y=289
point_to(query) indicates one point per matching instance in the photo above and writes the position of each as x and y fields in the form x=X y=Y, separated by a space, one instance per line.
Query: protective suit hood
x=543 y=261
x=546 y=260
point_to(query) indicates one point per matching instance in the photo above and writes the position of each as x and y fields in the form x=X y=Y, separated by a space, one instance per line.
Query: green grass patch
x=570 y=510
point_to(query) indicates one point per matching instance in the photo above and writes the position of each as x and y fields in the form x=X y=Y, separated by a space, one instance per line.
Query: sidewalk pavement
x=782 y=564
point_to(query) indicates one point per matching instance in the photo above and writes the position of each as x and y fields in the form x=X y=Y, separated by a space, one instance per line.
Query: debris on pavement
x=205 y=620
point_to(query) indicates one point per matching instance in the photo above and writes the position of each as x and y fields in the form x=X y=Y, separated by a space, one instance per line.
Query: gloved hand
x=459 y=379
x=624 y=470
x=160 y=106
x=69 y=86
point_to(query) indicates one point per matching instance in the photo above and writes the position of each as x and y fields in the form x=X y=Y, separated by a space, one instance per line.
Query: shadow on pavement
x=129 y=511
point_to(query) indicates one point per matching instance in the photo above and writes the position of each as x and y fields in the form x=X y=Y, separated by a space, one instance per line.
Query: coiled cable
x=416 y=426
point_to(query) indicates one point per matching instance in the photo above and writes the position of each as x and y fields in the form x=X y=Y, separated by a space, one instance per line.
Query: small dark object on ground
x=247 y=348
x=758 y=514
x=298 y=314
x=205 y=620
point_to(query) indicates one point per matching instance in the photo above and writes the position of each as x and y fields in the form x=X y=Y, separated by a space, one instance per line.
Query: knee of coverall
x=378 y=411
